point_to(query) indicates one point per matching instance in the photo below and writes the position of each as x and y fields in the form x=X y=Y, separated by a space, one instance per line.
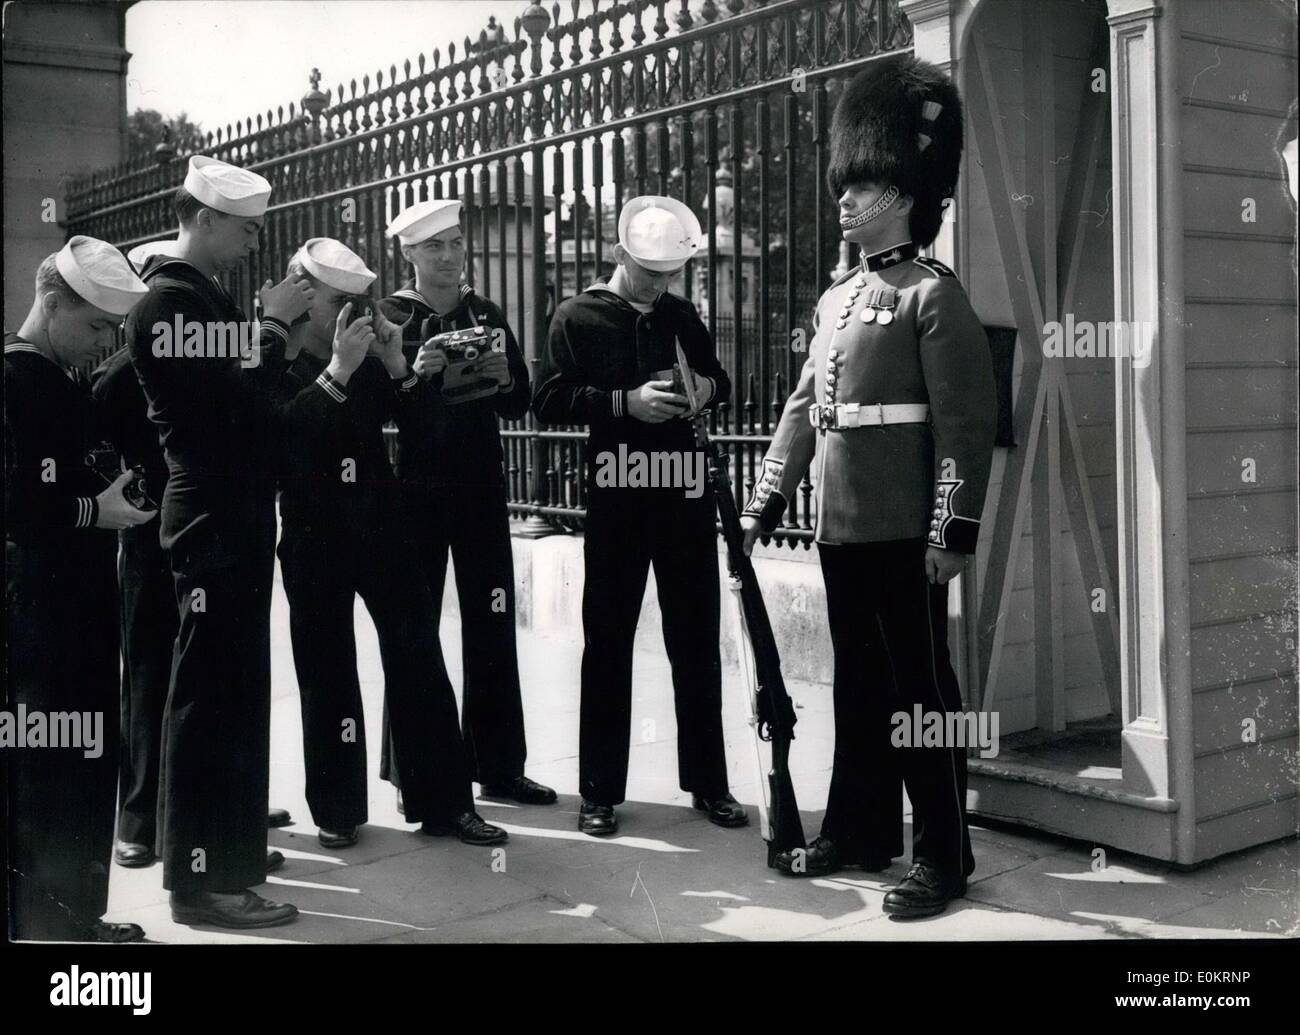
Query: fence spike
x=709 y=11
x=614 y=17
x=661 y=22
x=638 y=33
x=684 y=19
x=555 y=33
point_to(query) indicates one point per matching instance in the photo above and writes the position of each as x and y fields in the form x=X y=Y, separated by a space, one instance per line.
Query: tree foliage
x=145 y=128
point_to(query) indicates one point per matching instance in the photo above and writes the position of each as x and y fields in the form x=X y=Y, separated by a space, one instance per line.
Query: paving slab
x=669 y=875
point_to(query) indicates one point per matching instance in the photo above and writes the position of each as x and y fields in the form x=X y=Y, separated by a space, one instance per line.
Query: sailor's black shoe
x=923 y=892
x=817 y=860
x=470 y=827
x=522 y=790
x=597 y=820
x=724 y=810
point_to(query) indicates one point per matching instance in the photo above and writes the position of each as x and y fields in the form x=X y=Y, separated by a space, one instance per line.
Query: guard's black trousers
x=322 y=581
x=473 y=525
x=889 y=633
x=149 y=623
x=217 y=721
x=625 y=534
x=61 y=636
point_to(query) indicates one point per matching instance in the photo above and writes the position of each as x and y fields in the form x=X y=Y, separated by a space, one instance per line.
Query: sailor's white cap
x=336 y=265
x=227 y=188
x=100 y=274
x=424 y=219
x=659 y=233
x=138 y=255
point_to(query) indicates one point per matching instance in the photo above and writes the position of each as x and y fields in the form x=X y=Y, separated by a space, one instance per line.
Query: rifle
x=771 y=710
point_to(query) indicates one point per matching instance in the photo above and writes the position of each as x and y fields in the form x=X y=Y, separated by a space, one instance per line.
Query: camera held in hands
x=463 y=378
x=362 y=306
x=104 y=461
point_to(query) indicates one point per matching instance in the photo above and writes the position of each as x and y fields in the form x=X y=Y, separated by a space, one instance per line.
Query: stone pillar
x=64 y=114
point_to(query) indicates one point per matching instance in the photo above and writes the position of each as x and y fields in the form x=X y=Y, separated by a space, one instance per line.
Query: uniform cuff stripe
x=274 y=325
x=409 y=383
x=332 y=387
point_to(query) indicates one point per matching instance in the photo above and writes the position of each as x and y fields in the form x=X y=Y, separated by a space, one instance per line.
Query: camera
x=362 y=305
x=104 y=461
x=462 y=380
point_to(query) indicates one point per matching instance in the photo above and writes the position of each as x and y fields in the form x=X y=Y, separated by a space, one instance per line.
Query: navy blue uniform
x=61 y=633
x=343 y=536
x=220 y=426
x=148 y=602
x=599 y=348
x=454 y=490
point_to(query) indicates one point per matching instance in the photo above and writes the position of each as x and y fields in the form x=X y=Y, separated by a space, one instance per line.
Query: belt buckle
x=826 y=416
x=871 y=415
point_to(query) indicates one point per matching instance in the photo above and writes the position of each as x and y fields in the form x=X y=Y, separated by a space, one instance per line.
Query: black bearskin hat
x=899 y=122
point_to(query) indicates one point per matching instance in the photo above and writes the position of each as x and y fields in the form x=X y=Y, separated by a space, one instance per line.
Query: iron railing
x=543 y=137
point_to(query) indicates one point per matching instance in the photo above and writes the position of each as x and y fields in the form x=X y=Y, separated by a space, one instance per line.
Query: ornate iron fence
x=729 y=113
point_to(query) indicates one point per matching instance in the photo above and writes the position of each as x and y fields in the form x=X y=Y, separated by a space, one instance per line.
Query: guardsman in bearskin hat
x=896 y=409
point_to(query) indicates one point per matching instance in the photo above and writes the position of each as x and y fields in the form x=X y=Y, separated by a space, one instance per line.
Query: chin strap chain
x=867 y=215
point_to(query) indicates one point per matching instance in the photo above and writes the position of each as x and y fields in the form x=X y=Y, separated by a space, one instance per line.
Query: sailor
x=343 y=536
x=607 y=363
x=212 y=397
x=60 y=595
x=451 y=469
x=896 y=409
x=147 y=600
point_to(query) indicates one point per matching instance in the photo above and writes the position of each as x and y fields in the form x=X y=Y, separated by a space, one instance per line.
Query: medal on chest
x=879 y=305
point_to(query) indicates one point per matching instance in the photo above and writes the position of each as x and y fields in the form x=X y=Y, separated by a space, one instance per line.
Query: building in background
x=64 y=115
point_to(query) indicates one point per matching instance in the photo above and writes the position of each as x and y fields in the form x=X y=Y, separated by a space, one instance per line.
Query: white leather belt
x=835 y=416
